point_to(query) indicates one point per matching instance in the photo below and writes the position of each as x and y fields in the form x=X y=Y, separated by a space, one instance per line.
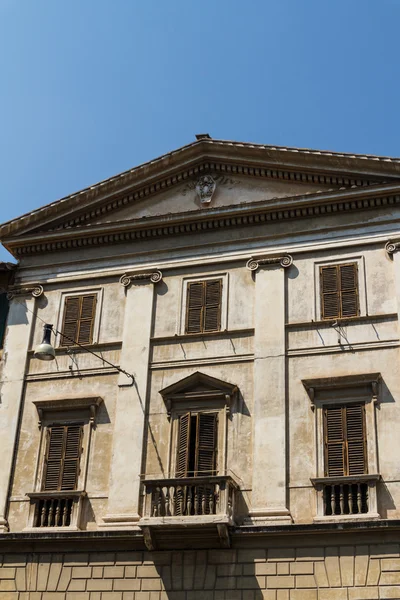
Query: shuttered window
x=203 y=306
x=78 y=322
x=197 y=445
x=339 y=291
x=345 y=440
x=63 y=452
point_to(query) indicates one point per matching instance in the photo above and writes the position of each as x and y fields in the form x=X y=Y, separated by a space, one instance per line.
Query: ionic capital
x=392 y=247
x=152 y=277
x=253 y=264
x=13 y=291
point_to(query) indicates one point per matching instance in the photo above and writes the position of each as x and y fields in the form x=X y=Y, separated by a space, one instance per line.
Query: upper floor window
x=62 y=458
x=345 y=440
x=339 y=291
x=197 y=445
x=203 y=306
x=78 y=320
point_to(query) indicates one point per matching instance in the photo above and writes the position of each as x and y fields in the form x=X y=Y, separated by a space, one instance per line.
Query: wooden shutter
x=63 y=452
x=182 y=454
x=339 y=291
x=194 y=311
x=78 y=321
x=329 y=292
x=345 y=440
x=71 y=320
x=86 y=319
x=203 y=312
x=54 y=456
x=212 y=308
x=334 y=442
x=349 y=290
x=72 y=454
x=206 y=444
x=356 y=439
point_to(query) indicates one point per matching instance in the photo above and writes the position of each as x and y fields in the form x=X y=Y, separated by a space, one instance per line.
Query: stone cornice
x=217 y=169
x=91 y=403
x=213 y=219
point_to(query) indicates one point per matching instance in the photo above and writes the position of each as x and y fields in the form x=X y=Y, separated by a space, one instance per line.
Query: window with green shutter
x=345 y=440
x=203 y=306
x=197 y=445
x=78 y=321
x=339 y=291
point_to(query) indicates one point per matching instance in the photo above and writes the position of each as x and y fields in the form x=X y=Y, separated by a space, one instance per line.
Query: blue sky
x=90 y=88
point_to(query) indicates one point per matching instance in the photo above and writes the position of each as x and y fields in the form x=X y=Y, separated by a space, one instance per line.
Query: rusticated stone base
x=272 y=572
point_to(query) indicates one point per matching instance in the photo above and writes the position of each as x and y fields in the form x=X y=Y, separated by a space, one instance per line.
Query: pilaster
x=126 y=460
x=13 y=367
x=392 y=248
x=269 y=492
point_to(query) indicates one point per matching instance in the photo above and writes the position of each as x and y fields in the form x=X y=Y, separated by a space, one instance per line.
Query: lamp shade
x=45 y=351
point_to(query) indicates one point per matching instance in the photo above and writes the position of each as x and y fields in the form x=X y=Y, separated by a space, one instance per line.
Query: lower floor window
x=345 y=440
x=197 y=444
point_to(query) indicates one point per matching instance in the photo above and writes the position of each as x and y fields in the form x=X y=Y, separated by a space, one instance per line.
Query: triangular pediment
x=183 y=198
x=198 y=383
x=170 y=187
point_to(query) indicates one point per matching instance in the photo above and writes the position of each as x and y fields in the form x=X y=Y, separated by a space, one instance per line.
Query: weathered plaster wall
x=302 y=350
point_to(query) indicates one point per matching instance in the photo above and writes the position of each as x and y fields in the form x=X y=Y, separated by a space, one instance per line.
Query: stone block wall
x=361 y=572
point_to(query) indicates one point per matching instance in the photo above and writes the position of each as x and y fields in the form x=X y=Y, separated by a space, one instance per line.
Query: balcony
x=349 y=497
x=51 y=510
x=206 y=502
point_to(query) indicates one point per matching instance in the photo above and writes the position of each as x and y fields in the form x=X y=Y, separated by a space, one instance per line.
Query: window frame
x=362 y=293
x=47 y=444
x=99 y=293
x=345 y=442
x=182 y=320
x=343 y=391
x=217 y=407
x=65 y=411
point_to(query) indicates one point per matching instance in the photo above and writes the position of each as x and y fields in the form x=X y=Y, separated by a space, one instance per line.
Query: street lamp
x=45 y=350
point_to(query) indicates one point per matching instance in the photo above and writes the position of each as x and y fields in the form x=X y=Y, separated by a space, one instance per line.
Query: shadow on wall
x=18 y=314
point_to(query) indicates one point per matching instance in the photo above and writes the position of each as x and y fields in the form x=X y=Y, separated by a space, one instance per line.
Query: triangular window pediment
x=196 y=388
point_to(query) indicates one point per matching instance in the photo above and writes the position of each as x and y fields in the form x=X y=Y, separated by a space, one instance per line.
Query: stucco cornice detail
x=218 y=169
x=150 y=277
x=199 y=221
x=90 y=403
x=314 y=386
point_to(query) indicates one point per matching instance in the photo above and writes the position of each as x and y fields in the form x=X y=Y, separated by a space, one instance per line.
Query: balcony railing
x=190 y=497
x=346 y=496
x=56 y=509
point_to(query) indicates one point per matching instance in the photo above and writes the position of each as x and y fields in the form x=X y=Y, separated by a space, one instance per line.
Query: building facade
x=220 y=418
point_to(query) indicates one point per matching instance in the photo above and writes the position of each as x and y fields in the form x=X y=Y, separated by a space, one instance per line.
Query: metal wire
x=56 y=332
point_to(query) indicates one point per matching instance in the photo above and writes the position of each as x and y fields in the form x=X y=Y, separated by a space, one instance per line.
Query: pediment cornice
x=206 y=155
x=297 y=207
